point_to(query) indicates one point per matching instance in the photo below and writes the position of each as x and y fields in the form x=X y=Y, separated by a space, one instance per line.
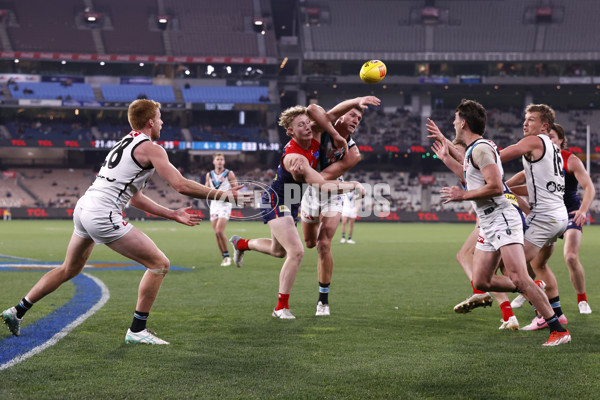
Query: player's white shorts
x=220 y=209
x=500 y=228
x=544 y=230
x=102 y=225
x=312 y=206
x=348 y=212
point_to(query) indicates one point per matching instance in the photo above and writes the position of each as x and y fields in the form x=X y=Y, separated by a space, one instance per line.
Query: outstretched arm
x=523 y=147
x=298 y=166
x=144 y=203
x=157 y=157
x=347 y=105
x=322 y=123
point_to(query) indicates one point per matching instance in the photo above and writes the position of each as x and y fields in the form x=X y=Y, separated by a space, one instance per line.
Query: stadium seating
x=50 y=28
x=128 y=93
x=46 y=129
x=227 y=94
x=488 y=26
x=219 y=34
x=131 y=27
x=52 y=90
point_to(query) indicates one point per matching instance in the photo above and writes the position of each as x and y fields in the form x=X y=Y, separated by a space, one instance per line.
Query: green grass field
x=392 y=332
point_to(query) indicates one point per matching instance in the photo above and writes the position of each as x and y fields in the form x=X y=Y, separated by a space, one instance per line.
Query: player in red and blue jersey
x=272 y=201
x=281 y=200
x=577 y=208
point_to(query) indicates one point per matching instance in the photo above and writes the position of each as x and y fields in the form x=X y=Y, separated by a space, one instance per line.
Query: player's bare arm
x=301 y=170
x=441 y=150
x=530 y=146
x=151 y=154
x=347 y=105
x=321 y=124
x=517 y=179
x=339 y=168
x=484 y=158
x=576 y=166
x=144 y=203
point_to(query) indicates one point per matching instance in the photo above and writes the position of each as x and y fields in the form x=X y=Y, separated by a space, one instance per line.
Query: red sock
x=581 y=297
x=283 y=301
x=507 y=311
x=476 y=291
x=242 y=244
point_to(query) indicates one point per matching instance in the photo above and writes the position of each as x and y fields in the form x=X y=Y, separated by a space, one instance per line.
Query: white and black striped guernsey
x=121 y=175
x=546 y=180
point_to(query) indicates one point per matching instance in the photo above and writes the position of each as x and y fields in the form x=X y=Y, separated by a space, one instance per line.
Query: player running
x=544 y=176
x=575 y=174
x=220 y=211
x=500 y=224
x=98 y=218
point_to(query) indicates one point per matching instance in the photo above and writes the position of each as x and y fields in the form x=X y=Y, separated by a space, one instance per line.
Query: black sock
x=139 y=321
x=349 y=237
x=343 y=235
x=226 y=254
x=554 y=324
x=324 y=292
x=555 y=304
x=22 y=307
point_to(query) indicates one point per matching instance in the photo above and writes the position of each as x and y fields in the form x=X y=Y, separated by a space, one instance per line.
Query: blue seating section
x=160 y=93
x=228 y=94
x=52 y=90
x=49 y=131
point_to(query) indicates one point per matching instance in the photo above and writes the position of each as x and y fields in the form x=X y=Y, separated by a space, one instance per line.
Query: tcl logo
x=365 y=148
x=389 y=216
x=236 y=214
x=466 y=217
x=198 y=213
x=70 y=211
x=428 y=217
x=37 y=212
x=392 y=149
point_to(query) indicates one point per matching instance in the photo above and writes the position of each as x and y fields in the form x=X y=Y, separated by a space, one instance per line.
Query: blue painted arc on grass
x=87 y=295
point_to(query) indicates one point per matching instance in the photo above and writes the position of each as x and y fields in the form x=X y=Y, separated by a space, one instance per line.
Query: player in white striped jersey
x=500 y=223
x=98 y=218
x=220 y=211
x=349 y=209
x=544 y=176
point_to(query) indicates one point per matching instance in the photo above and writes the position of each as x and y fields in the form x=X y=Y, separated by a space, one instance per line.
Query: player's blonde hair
x=217 y=155
x=287 y=116
x=547 y=114
x=140 y=111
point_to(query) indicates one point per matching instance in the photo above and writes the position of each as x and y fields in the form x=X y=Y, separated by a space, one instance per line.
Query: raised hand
x=365 y=102
x=434 y=131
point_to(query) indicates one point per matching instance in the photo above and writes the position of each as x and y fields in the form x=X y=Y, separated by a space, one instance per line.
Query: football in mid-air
x=373 y=71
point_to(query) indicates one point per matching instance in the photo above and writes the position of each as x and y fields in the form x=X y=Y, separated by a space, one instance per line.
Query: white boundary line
x=54 y=339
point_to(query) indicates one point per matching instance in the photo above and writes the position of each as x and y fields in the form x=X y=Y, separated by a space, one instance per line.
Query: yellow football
x=373 y=71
